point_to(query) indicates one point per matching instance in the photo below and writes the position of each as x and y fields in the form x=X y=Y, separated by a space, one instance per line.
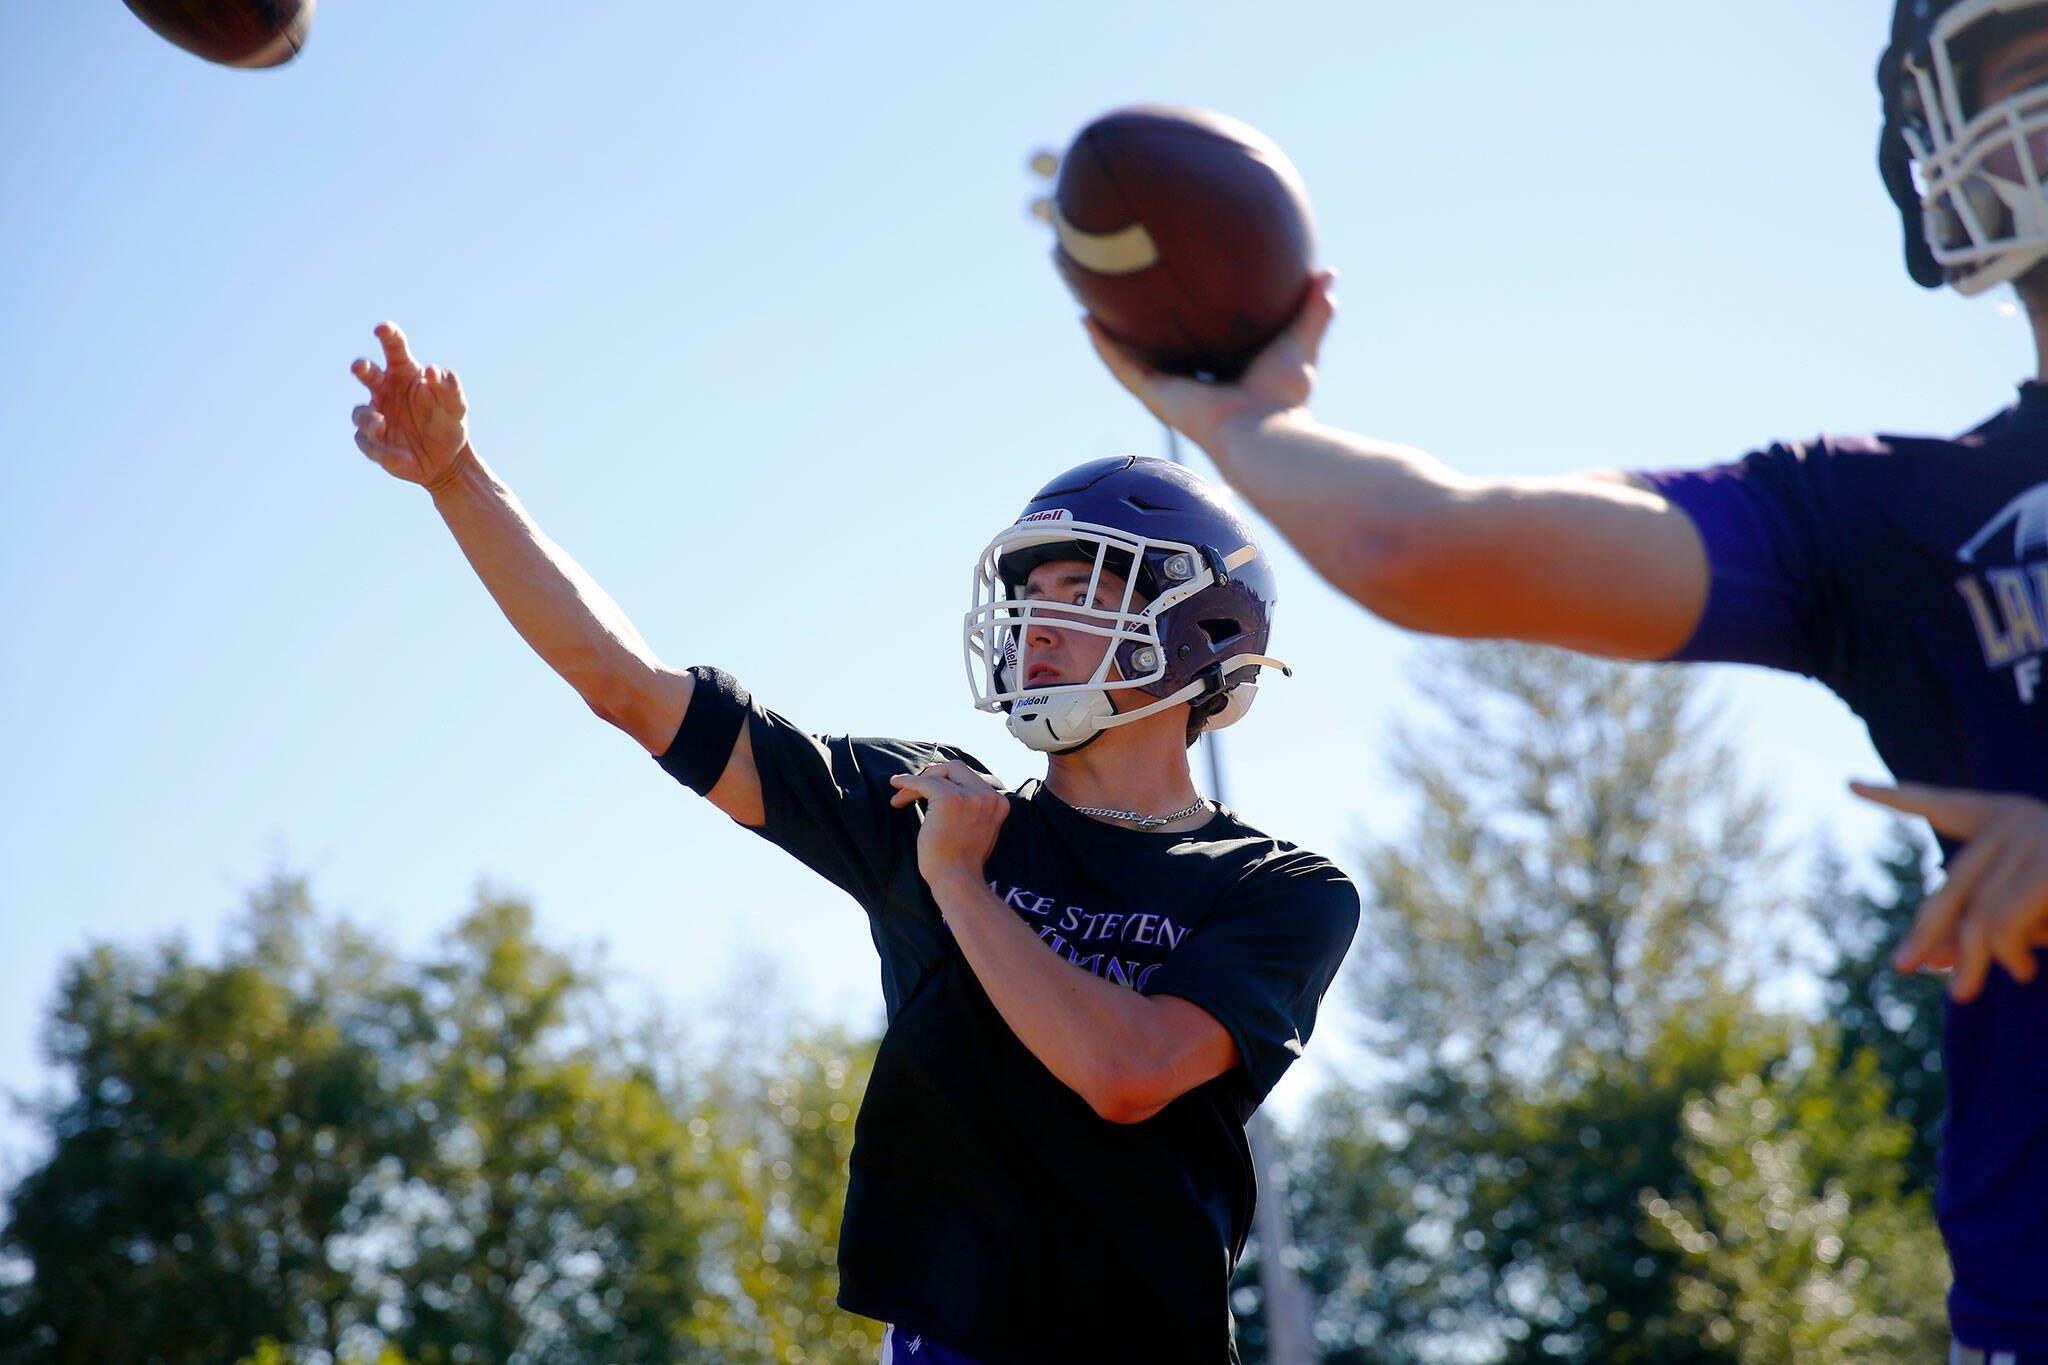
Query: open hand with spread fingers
x=415 y=424
x=963 y=813
x=1281 y=377
x=1994 y=906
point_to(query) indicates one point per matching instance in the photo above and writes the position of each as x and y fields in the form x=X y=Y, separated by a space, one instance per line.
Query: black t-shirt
x=988 y=1205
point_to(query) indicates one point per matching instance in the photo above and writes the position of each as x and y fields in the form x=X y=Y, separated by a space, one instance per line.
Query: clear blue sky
x=752 y=315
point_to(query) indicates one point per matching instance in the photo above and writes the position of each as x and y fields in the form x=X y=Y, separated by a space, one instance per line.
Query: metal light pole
x=1288 y=1338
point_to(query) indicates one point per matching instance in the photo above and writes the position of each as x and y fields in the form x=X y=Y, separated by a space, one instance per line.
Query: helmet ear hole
x=1220 y=629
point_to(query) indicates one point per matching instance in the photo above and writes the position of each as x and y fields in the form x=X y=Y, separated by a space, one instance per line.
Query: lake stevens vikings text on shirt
x=2009 y=606
x=1096 y=941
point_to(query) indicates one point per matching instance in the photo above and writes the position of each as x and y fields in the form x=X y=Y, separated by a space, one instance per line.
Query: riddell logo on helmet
x=1056 y=514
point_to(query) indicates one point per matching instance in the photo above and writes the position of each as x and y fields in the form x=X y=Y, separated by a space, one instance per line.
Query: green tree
x=1576 y=874
x=227 y=1126
x=1507 y=1225
x=312 y=1151
x=780 y=1132
x=1895 y=1018
x=1804 y=1241
x=1547 y=965
x=558 y=1213
x=1553 y=965
x=270 y=1351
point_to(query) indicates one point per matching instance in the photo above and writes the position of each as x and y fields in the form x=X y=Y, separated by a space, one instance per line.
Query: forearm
x=1352 y=506
x=1094 y=1035
x=556 y=607
x=1586 y=561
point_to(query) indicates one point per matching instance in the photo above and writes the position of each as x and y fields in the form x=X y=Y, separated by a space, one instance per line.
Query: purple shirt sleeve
x=1766 y=554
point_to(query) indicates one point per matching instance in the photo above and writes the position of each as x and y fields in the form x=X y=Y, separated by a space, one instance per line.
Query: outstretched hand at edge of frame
x=1993 y=908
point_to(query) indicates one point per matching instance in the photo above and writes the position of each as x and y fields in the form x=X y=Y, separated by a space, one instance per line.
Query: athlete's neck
x=1141 y=768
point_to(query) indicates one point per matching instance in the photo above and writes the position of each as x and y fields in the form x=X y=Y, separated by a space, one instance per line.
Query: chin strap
x=1062 y=722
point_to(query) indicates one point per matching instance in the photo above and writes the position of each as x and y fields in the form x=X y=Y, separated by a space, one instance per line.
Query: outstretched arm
x=415 y=426
x=1591 y=562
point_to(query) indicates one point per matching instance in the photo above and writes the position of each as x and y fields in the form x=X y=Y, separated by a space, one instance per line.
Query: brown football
x=231 y=32
x=1186 y=234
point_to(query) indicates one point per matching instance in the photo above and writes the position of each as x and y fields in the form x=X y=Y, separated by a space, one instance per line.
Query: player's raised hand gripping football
x=1994 y=906
x=1281 y=377
x=963 y=813
x=415 y=424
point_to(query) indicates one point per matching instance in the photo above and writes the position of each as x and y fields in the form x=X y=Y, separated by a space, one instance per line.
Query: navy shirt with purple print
x=1910 y=575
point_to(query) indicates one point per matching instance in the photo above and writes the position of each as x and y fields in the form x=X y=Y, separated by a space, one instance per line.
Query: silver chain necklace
x=1132 y=817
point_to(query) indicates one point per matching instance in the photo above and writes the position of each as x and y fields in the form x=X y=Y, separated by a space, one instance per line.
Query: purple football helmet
x=1192 y=622
x=1970 y=179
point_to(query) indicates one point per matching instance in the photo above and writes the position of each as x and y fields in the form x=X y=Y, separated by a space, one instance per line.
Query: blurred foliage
x=1804 y=1241
x=311 y=1149
x=229 y=1125
x=1895 y=1018
x=779 y=1142
x=270 y=1351
x=1557 y=969
x=559 y=1214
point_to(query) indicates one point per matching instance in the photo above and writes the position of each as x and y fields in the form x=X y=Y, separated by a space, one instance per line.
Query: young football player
x=1091 y=982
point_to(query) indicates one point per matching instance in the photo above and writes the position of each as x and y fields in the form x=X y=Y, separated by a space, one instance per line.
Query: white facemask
x=1064 y=716
x=1983 y=178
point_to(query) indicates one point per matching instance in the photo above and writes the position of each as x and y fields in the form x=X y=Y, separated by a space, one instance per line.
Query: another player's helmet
x=1192 y=622
x=1971 y=183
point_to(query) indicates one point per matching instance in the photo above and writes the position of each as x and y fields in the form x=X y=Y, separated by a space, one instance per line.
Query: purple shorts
x=901 y=1346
